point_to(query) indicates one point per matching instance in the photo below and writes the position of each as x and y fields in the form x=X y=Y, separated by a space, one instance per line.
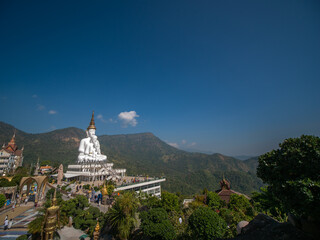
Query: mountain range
x=141 y=154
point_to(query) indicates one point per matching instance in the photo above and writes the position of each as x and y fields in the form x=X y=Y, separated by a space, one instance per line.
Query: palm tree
x=122 y=216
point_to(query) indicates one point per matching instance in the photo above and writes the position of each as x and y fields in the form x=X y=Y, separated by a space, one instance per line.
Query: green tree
x=213 y=200
x=170 y=202
x=155 y=224
x=122 y=216
x=292 y=173
x=240 y=203
x=205 y=224
x=35 y=226
x=5 y=183
x=265 y=201
x=232 y=218
x=2 y=200
x=110 y=189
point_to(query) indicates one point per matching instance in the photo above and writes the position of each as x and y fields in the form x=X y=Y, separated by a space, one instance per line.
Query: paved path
x=70 y=233
x=21 y=217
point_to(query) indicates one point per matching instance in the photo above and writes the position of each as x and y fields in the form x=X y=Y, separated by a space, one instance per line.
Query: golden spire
x=54 y=199
x=96 y=232
x=13 y=139
x=92 y=125
x=97 y=228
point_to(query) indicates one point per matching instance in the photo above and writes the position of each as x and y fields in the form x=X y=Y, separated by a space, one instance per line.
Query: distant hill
x=143 y=154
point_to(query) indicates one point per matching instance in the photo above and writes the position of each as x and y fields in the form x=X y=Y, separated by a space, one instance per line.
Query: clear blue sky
x=235 y=77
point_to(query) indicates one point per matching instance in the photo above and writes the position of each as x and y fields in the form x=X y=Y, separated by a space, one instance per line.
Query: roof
x=225 y=194
x=45 y=167
x=18 y=153
x=69 y=175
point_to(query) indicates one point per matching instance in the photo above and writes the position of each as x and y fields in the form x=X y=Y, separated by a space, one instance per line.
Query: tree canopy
x=204 y=224
x=293 y=175
x=155 y=224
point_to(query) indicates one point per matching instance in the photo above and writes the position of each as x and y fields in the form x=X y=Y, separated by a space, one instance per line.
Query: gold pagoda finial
x=96 y=233
x=92 y=125
x=97 y=228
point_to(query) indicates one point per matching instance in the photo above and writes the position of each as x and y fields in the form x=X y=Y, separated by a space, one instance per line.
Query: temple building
x=225 y=191
x=93 y=166
x=11 y=157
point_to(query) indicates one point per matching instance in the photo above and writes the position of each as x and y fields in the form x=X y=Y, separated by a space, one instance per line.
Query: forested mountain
x=141 y=154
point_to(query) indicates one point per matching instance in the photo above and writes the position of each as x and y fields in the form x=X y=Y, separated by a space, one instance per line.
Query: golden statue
x=104 y=190
x=96 y=232
x=51 y=220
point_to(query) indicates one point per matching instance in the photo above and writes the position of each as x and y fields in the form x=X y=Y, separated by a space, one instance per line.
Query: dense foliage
x=155 y=224
x=265 y=201
x=122 y=216
x=205 y=224
x=2 y=200
x=293 y=175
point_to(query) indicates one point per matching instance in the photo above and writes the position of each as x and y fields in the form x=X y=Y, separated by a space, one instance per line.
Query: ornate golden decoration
x=92 y=124
x=96 y=232
x=51 y=220
x=104 y=190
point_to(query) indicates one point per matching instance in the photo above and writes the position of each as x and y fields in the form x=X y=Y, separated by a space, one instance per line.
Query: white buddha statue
x=89 y=149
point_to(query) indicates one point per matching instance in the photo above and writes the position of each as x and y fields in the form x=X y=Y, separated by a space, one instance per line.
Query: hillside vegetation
x=141 y=154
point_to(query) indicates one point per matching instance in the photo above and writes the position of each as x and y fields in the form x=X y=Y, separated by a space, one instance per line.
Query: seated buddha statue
x=89 y=149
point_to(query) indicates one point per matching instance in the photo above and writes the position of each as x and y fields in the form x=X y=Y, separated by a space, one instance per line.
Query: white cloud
x=183 y=141
x=112 y=120
x=52 y=112
x=100 y=117
x=174 y=145
x=128 y=118
x=40 y=107
x=192 y=144
x=34 y=96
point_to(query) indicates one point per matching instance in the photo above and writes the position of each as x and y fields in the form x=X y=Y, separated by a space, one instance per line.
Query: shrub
x=205 y=224
x=2 y=200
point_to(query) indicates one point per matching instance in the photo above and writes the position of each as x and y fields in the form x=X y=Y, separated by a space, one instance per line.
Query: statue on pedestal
x=89 y=149
x=60 y=175
x=51 y=220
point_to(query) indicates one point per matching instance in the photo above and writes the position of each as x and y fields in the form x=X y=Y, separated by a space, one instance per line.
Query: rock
x=263 y=227
x=241 y=225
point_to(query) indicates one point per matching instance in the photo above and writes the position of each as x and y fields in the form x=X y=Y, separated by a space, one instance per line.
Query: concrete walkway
x=17 y=211
x=21 y=216
x=70 y=233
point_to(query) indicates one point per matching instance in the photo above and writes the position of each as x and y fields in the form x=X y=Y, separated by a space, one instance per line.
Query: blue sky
x=235 y=77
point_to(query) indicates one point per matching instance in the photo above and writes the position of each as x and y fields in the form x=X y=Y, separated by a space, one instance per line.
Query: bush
x=214 y=201
x=2 y=200
x=170 y=202
x=205 y=224
x=155 y=224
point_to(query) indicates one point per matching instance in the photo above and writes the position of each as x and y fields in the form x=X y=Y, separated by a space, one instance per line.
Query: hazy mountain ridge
x=143 y=154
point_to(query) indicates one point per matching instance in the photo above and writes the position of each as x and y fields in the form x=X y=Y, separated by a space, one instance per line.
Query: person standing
x=10 y=223
x=6 y=223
